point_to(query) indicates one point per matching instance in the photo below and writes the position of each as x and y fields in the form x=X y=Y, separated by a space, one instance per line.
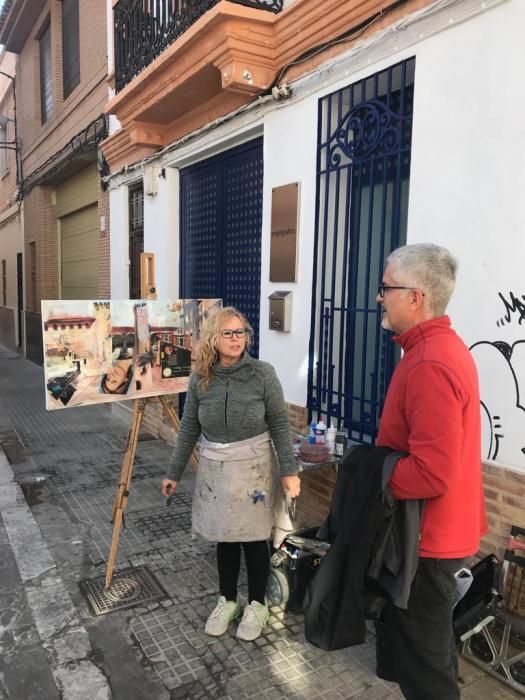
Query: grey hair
x=428 y=267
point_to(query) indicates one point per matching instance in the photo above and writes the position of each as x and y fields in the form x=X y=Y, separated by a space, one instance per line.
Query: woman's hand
x=291 y=485
x=168 y=487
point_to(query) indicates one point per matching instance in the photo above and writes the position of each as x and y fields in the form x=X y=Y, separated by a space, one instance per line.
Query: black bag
x=479 y=604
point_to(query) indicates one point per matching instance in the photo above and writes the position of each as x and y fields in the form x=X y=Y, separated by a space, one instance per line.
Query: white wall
x=161 y=233
x=290 y=156
x=466 y=193
x=119 y=242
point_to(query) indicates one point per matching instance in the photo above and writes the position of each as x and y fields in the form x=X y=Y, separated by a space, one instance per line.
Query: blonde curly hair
x=207 y=353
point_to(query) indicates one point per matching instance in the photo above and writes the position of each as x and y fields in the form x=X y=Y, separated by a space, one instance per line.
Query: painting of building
x=100 y=351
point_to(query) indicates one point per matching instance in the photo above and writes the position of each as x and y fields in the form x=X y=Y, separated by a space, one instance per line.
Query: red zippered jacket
x=432 y=412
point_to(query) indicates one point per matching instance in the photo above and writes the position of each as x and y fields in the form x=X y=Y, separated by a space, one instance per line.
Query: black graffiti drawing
x=513 y=305
x=502 y=371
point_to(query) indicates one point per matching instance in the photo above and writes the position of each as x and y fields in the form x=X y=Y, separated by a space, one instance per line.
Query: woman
x=118 y=378
x=235 y=404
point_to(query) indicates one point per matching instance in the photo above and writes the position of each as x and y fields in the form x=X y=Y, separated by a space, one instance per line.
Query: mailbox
x=280 y=311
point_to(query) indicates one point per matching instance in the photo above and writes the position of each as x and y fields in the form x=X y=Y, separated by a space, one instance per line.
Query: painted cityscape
x=100 y=351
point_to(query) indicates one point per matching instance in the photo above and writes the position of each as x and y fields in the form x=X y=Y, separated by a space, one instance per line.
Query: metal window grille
x=363 y=168
x=136 y=238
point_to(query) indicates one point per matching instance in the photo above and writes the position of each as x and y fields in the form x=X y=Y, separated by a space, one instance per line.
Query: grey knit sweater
x=241 y=402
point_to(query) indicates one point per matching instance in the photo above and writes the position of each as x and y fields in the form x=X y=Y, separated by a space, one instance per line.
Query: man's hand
x=168 y=487
x=291 y=485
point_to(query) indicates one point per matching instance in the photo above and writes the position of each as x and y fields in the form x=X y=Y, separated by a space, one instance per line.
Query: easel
x=139 y=406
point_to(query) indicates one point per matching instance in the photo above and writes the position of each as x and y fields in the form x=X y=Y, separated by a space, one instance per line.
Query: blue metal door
x=221 y=219
x=363 y=169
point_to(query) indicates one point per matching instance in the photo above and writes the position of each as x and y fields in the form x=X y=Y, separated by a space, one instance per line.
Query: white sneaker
x=225 y=611
x=253 y=620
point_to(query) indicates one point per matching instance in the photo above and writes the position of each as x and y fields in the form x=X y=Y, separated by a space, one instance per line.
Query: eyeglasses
x=238 y=333
x=386 y=287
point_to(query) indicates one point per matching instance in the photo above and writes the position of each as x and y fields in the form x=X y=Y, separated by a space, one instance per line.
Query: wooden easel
x=148 y=289
x=124 y=482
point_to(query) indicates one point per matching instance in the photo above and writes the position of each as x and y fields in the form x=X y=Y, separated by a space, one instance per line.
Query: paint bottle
x=340 y=443
x=311 y=433
x=320 y=432
x=330 y=438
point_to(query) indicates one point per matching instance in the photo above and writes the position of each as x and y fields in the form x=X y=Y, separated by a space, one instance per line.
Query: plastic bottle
x=330 y=438
x=340 y=443
x=311 y=433
x=320 y=432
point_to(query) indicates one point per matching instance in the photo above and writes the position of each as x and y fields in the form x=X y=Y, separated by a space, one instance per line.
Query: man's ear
x=417 y=298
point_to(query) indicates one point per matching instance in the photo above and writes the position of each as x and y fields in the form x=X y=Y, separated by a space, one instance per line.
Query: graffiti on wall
x=514 y=309
x=501 y=367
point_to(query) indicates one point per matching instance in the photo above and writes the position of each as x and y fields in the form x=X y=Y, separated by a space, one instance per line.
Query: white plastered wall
x=467 y=184
x=466 y=193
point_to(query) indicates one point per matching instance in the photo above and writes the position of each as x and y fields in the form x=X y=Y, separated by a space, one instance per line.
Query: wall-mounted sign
x=285 y=225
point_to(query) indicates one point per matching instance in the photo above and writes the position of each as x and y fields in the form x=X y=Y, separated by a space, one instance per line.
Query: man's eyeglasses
x=385 y=287
x=238 y=333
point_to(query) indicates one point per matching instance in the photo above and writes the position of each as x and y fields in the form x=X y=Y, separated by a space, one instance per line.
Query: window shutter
x=46 y=81
x=70 y=45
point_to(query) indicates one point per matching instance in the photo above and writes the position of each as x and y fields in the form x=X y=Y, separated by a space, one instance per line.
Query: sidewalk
x=58 y=473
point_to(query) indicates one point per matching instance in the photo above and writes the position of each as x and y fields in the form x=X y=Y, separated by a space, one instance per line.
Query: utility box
x=280 y=311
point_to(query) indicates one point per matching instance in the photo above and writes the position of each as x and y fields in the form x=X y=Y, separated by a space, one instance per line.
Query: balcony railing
x=144 y=28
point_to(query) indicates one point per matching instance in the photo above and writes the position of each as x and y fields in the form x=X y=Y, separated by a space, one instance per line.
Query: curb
x=64 y=639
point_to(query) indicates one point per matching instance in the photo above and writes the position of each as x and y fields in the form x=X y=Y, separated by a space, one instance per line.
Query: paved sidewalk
x=57 y=484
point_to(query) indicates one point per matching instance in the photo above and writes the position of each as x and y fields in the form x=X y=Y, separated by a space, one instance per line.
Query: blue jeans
x=415 y=647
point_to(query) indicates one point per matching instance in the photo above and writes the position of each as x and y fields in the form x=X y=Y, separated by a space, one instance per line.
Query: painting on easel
x=99 y=351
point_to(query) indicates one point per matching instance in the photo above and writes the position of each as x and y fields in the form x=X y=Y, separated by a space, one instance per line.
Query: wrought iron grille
x=363 y=169
x=144 y=28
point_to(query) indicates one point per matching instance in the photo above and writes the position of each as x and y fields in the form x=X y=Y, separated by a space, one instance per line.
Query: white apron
x=236 y=490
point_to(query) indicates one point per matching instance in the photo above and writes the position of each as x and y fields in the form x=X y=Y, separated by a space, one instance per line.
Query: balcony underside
x=225 y=60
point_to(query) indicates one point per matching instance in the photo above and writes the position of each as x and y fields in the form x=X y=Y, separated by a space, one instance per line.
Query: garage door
x=76 y=207
x=79 y=254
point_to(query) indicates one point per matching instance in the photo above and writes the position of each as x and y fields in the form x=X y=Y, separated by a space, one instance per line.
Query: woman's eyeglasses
x=238 y=333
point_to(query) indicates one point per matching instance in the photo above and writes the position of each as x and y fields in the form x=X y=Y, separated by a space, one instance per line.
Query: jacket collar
x=424 y=330
x=244 y=369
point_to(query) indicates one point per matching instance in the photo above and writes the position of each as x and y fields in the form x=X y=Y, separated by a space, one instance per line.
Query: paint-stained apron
x=235 y=490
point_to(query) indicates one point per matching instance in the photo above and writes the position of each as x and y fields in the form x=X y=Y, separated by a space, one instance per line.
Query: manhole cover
x=129 y=587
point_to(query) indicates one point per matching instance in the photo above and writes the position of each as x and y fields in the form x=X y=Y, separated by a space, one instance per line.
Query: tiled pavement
x=68 y=462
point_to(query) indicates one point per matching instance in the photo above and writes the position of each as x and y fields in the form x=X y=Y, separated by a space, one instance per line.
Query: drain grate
x=129 y=587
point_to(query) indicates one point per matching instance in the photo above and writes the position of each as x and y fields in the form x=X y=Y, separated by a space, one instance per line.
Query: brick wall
x=504 y=501
x=40 y=227
x=86 y=101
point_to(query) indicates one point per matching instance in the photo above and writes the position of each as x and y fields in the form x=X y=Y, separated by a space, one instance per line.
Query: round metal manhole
x=123 y=590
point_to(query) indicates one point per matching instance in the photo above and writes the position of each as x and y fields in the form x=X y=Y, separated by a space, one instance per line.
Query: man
x=431 y=412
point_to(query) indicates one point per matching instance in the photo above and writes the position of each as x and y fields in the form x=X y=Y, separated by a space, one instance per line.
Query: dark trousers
x=415 y=647
x=257 y=556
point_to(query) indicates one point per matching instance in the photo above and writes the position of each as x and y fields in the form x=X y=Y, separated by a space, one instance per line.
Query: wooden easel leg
x=122 y=494
x=176 y=422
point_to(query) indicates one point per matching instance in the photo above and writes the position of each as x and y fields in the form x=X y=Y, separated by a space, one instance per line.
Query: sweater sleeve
x=189 y=432
x=434 y=407
x=278 y=424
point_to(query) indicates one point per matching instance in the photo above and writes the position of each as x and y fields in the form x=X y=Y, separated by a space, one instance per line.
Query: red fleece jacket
x=432 y=412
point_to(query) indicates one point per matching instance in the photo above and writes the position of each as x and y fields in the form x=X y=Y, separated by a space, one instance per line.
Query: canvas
x=99 y=351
